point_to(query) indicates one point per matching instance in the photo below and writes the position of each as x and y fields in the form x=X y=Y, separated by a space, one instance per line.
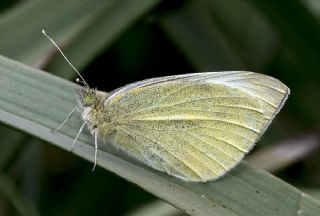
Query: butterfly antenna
x=54 y=43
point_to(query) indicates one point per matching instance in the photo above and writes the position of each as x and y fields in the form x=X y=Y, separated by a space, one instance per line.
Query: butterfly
x=195 y=127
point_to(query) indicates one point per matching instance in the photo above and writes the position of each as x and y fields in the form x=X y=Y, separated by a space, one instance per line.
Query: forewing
x=196 y=126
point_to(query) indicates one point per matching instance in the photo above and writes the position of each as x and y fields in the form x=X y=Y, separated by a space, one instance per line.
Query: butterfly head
x=87 y=97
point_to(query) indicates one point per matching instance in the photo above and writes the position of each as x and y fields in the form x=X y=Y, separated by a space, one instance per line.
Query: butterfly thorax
x=93 y=110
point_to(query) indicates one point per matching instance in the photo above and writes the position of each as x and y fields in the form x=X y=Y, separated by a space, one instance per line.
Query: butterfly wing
x=196 y=126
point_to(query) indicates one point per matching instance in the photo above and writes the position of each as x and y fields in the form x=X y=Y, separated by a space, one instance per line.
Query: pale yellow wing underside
x=196 y=126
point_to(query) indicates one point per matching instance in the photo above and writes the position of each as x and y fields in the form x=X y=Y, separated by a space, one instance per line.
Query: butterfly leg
x=79 y=132
x=65 y=121
x=81 y=113
x=95 y=148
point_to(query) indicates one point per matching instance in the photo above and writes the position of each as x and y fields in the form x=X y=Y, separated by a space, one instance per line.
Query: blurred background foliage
x=118 y=42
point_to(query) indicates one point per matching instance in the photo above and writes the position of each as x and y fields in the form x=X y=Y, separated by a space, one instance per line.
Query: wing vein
x=136 y=125
x=227 y=143
x=200 y=162
x=260 y=98
x=218 y=120
x=154 y=152
x=209 y=156
x=178 y=159
x=184 y=102
x=261 y=84
x=154 y=106
x=193 y=135
x=218 y=129
x=220 y=112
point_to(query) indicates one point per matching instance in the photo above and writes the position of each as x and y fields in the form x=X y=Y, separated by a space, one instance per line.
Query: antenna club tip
x=77 y=80
x=43 y=31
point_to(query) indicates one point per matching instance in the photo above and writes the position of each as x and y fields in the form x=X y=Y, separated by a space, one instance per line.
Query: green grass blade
x=106 y=28
x=215 y=36
x=285 y=153
x=21 y=26
x=194 y=32
x=36 y=102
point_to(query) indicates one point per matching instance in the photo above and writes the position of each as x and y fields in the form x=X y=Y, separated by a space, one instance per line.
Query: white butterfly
x=195 y=127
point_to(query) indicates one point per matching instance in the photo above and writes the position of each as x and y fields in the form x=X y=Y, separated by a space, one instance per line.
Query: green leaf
x=285 y=153
x=254 y=40
x=88 y=27
x=102 y=31
x=21 y=26
x=36 y=102
x=196 y=34
x=215 y=36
